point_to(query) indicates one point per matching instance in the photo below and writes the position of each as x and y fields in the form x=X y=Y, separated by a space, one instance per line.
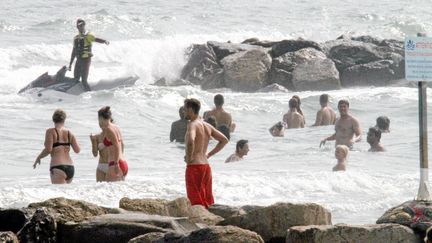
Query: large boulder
x=351 y=233
x=41 y=227
x=314 y=71
x=347 y=53
x=247 y=70
x=65 y=210
x=8 y=237
x=202 y=67
x=224 y=49
x=122 y=227
x=414 y=214
x=179 y=207
x=12 y=219
x=377 y=73
x=213 y=234
x=285 y=46
x=273 y=221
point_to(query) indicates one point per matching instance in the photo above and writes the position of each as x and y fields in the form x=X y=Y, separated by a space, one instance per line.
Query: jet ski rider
x=82 y=45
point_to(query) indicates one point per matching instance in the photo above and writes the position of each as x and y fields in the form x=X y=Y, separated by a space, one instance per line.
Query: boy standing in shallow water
x=341 y=154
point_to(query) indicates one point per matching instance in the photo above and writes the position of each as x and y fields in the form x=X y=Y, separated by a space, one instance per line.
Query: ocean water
x=149 y=38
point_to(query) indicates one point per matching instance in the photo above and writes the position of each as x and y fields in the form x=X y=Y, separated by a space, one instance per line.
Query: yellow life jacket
x=83 y=45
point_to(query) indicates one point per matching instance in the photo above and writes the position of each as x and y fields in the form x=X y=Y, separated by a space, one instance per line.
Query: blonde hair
x=59 y=116
x=344 y=149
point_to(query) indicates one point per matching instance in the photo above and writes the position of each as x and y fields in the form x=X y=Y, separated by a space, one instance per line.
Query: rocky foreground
x=295 y=65
x=157 y=220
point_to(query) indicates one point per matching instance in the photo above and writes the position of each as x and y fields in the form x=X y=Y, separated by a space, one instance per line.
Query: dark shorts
x=69 y=170
x=81 y=71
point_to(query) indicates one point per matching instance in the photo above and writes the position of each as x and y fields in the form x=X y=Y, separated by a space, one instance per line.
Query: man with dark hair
x=383 y=124
x=242 y=149
x=326 y=115
x=82 y=50
x=178 y=128
x=373 y=138
x=198 y=171
x=347 y=127
x=293 y=118
x=222 y=117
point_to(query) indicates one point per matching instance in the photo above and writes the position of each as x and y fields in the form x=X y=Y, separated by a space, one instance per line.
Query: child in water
x=341 y=154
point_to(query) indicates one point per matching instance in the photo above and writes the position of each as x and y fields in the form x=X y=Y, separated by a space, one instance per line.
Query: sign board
x=418 y=58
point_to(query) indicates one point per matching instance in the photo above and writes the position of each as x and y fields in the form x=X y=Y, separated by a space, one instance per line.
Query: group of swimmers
x=347 y=127
x=108 y=144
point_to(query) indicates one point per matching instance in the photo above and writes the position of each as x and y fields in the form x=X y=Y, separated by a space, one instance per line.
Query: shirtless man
x=373 y=138
x=326 y=115
x=178 y=128
x=222 y=117
x=293 y=118
x=198 y=172
x=242 y=149
x=347 y=127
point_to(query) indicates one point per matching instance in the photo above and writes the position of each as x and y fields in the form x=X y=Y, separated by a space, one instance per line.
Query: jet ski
x=59 y=82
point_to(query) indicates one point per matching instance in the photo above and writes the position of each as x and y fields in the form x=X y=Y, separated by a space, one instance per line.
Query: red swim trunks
x=199 y=184
x=123 y=166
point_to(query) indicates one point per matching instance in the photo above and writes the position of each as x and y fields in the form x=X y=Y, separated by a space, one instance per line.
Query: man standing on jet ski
x=82 y=45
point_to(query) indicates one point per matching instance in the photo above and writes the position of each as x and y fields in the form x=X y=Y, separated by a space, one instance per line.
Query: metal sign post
x=418 y=66
x=423 y=192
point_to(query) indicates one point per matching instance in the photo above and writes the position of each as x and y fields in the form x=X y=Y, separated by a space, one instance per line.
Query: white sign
x=418 y=58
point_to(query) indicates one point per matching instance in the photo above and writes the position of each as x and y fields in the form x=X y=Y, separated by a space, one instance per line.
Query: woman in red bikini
x=117 y=166
x=58 y=141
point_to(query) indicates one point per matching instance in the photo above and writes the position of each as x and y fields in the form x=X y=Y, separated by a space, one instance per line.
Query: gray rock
x=202 y=65
x=351 y=233
x=179 y=207
x=272 y=222
x=281 y=77
x=314 y=71
x=367 y=39
x=257 y=42
x=148 y=238
x=213 y=234
x=65 y=210
x=250 y=208
x=122 y=227
x=8 y=237
x=225 y=211
x=42 y=227
x=285 y=46
x=377 y=73
x=224 y=49
x=347 y=53
x=12 y=219
x=247 y=71
x=273 y=88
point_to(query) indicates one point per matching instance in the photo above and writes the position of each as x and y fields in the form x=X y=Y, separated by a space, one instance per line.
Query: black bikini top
x=56 y=144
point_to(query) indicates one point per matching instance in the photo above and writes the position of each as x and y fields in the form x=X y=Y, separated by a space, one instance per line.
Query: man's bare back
x=293 y=119
x=222 y=117
x=201 y=132
x=325 y=116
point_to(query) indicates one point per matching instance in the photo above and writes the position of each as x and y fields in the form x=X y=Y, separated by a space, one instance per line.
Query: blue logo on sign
x=410 y=45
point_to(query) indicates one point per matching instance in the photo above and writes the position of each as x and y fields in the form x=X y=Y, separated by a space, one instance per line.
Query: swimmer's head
x=324 y=98
x=293 y=103
x=59 y=116
x=218 y=100
x=242 y=146
x=341 y=151
x=383 y=123
x=193 y=106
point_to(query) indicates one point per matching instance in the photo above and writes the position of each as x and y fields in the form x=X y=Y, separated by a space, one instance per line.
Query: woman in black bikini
x=58 y=141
